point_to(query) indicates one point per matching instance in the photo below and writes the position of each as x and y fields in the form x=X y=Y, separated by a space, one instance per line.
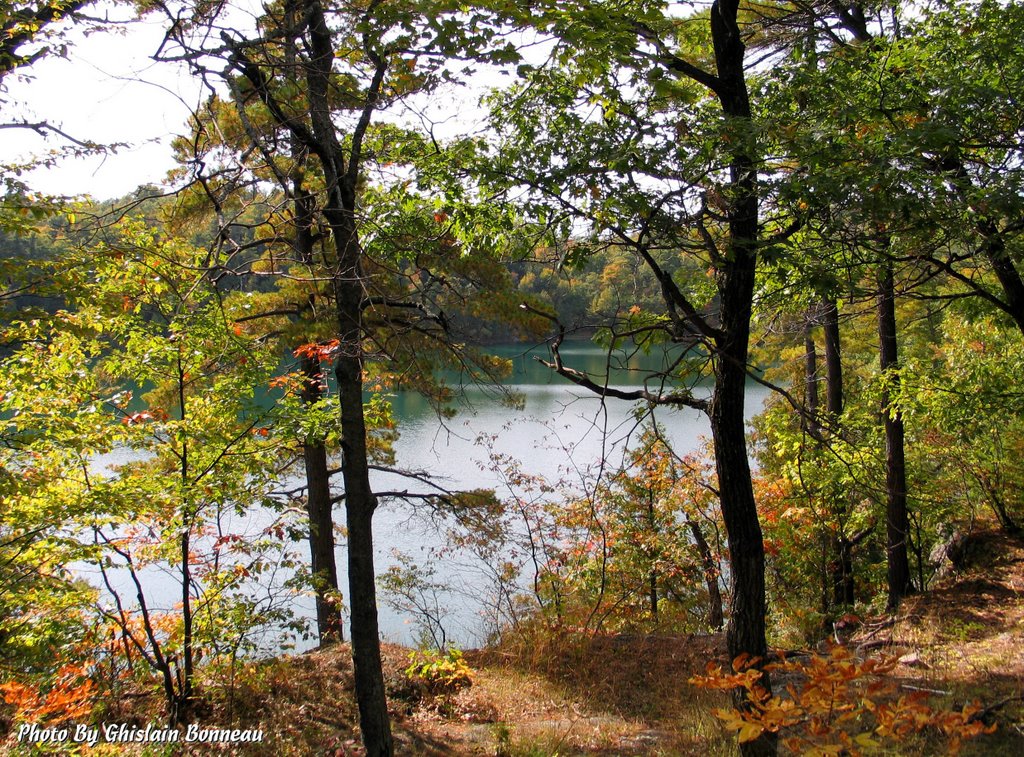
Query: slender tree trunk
x=833 y=359
x=321 y=520
x=652 y=593
x=745 y=632
x=341 y=166
x=181 y=711
x=360 y=502
x=810 y=420
x=811 y=423
x=897 y=520
x=716 y=615
x=181 y=708
x=652 y=577
x=359 y=506
x=341 y=177
x=843 y=586
x=319 y=509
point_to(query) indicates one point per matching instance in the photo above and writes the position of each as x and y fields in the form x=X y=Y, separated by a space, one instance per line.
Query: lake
x=560 y=431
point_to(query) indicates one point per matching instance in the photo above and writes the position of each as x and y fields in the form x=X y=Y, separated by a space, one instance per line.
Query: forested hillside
x=204 y=383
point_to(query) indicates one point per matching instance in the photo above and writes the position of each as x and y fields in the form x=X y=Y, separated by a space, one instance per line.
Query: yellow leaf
x=865 y=740
x=750 y=731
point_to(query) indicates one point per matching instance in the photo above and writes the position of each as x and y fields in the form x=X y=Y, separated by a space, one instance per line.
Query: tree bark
x=833 y=359
x=319 y=509
x=716 y=614
x=811 y=421
x=745 y=632
x=360 y=504
x=897 y=520
x=842 y=579
x=652 y=576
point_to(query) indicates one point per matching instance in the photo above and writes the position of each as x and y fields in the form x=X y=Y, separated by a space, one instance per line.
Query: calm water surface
x=559 y=430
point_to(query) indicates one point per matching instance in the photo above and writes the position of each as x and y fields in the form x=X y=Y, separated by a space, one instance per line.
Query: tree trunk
x=321 y=520
x=745 y=632
x=319 y=509
x=181 y=706
x=842 y=547
x=341 y=177
x=716 y=615
x=652 y=594
x=810 y=418
x=341 y=164
x=359 y=506
x=360 y=501
x=833 y=360
x=652 y=577
x=842 y=573
x=181 y=711
x=811 y=424
x=897 y=520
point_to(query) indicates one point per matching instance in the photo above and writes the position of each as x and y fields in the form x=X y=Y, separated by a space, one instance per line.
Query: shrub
x=844 y=706
x=438 y=673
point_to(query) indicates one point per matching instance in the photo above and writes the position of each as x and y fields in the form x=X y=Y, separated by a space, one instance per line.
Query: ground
x=963 y=639
x=960 y=641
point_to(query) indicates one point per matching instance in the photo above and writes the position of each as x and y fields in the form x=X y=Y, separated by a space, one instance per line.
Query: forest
x=780 y=242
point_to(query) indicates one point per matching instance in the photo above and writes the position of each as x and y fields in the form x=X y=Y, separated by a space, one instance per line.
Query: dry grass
x=609 y=695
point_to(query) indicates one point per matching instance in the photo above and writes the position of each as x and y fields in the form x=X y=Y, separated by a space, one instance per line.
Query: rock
x=913 y=660
x=948 y=556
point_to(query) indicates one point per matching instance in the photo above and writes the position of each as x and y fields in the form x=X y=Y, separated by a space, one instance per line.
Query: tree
x=310 y=66
x=897 y=520
x=23 y=25
x=649 y=139
x=261 y=236
x=142 y=316
x=912 y=170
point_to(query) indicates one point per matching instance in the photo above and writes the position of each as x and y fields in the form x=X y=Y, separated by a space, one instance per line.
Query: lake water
x=560 y=430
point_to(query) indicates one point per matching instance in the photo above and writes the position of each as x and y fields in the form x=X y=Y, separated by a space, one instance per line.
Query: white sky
x=108 y=90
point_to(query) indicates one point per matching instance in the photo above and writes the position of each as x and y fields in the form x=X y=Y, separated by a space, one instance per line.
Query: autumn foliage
x=70 y=697
x=836 y=704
